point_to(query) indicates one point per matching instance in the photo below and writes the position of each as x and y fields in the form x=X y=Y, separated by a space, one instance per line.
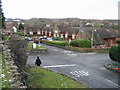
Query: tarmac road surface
x=85 y=67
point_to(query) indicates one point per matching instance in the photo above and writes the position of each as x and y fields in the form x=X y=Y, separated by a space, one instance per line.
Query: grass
x=20 y=34
x=30 y=47
x=4 y=71
x=66 y=45
x=33 y=36
x=5 y=37
x=42 y=78
x=56 y=43
x=0 y=70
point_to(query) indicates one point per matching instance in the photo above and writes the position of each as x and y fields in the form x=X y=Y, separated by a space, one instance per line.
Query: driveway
x=85 y=67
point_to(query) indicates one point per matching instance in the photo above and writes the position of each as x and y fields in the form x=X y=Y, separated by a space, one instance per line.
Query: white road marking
x=80 y=73
x=88 y=53
x=71 y=54
x=67 y=51
x=55 y=50
x=59 y=65
x=112 y=82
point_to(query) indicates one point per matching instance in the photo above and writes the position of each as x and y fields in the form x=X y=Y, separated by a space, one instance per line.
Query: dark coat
x=38 y=62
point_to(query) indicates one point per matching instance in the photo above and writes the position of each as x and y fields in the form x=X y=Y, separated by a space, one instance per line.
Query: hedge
x=56 y=43
x=20 y=34
x=114 y=53
x=80 y=43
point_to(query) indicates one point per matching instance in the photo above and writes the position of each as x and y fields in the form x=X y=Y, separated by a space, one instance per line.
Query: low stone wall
x=18 y=76
x=1 y=45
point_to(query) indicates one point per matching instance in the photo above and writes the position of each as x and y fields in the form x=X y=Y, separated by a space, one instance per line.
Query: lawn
x=30 y=47
x=43 y=78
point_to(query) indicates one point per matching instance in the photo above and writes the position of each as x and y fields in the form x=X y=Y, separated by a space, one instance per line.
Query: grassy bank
x=66 y=45
x=42 y=78
x=30 y=47
x=4 y=76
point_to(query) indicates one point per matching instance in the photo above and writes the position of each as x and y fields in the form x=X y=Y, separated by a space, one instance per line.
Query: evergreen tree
x=3 y=21
x=0 y=15
x=21 y=26
x=2 y=18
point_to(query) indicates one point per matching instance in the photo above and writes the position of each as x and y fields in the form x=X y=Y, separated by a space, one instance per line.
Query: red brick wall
x=110 y=42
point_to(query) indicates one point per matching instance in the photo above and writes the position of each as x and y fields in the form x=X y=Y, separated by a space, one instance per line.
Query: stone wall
x=13 y=62
x=18 y=46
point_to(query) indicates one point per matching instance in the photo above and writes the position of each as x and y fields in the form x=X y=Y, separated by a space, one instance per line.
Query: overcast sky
x=84 y=9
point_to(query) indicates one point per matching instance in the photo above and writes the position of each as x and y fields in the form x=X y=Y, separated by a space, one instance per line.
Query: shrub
x=80 y=43
x=20 y=34
x=114 y=53
x=5 y=37
x=58 y=43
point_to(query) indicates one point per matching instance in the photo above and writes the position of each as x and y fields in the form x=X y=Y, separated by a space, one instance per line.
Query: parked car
x=49 y=39
x=30 y=39
x=41 y=37
x=36 y=40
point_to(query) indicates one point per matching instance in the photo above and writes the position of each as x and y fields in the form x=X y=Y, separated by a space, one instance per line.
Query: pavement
x=87 y=68
x=112 y=66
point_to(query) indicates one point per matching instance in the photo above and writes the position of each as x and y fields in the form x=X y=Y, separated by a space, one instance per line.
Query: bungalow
x=100 y=37
x=56 y=32
x=30 y=31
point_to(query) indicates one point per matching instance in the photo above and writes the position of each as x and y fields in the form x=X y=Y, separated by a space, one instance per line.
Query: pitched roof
x=99 y=34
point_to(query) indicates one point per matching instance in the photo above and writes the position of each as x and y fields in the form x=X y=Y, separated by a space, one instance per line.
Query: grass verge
x=5 y=77
x=42 y=78
x=65 y=45
x=30 y=47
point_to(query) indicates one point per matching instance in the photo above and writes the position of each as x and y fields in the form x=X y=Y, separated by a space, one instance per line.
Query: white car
x=49 y=39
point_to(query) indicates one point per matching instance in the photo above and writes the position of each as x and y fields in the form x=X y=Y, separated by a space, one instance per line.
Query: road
x=85 y=67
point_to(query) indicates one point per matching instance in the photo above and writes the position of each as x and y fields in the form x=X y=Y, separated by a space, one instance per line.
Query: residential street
x=85 y=67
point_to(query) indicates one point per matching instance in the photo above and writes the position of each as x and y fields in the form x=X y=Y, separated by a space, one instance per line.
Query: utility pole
x=92 y=38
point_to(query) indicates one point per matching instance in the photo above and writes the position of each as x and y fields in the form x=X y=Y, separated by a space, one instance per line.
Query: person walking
x=38 y=61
